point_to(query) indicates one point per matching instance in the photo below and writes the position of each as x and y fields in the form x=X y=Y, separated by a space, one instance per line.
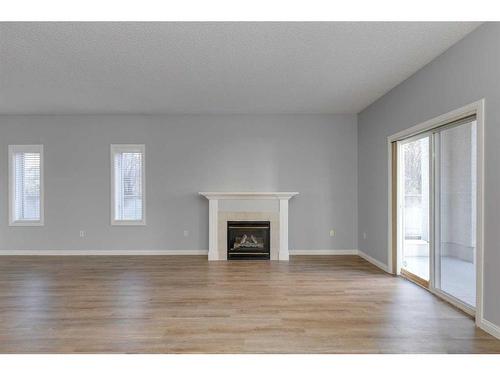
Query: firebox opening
x=248 y=240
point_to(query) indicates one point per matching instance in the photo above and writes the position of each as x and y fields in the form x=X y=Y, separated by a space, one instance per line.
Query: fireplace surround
x=271 y=207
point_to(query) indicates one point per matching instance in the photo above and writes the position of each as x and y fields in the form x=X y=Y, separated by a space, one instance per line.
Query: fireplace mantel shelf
x=213 y=212
x=248 y=195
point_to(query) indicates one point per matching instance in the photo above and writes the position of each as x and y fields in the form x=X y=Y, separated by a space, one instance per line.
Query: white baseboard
x=489 y=327
x=103 y=252
x=374 y=261
x=324 y=252
x=158 y=252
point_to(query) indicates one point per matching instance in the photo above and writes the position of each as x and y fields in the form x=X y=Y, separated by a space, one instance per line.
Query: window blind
x=128 y=186
x=27 y=186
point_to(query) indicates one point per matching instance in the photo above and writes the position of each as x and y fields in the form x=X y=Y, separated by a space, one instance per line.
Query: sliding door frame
x=399 y=211
x=437 y=232
x=477 y=109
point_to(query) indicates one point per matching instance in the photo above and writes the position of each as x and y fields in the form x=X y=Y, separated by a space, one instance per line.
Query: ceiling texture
x=211 y=68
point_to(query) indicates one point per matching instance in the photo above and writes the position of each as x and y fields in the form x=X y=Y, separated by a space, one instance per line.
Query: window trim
x=119 y=148
x=13 y=149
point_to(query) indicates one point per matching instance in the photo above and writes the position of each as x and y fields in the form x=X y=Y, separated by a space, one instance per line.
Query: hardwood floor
x=339 y=304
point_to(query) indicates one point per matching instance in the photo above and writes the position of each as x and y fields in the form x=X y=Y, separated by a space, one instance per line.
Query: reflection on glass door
x=415 y=208
x=455 y=250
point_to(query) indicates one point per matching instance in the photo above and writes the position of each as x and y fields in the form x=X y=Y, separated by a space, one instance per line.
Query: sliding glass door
x=455 y=197
x=436 y=218
x=415 y=208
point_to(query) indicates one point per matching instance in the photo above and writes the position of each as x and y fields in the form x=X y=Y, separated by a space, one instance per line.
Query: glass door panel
x=455 y=250
x=415 y=208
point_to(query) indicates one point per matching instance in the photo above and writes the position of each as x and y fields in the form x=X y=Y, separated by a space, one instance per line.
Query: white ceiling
x=334 y=67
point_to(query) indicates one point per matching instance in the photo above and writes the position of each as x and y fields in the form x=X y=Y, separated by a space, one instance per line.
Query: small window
x=26 y=185
x=127 y=185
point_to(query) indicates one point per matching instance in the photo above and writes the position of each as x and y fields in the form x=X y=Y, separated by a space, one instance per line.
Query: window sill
x=128 y=223
x=26 y=223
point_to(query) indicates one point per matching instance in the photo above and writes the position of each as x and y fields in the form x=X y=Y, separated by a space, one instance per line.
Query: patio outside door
x=414 y=183
x=455 y=206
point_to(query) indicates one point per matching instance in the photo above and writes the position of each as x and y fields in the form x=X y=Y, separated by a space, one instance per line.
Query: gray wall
x=315 y=155
x=468 y=71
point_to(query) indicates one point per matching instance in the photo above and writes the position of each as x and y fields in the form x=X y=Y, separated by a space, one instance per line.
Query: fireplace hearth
x=248 y=240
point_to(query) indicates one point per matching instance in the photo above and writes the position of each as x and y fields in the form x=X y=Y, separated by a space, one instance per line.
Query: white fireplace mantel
x=249 y=195
x=214 y=197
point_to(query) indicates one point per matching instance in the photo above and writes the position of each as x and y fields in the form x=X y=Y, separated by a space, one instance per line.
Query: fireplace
x=226 y=206
x=248 y=240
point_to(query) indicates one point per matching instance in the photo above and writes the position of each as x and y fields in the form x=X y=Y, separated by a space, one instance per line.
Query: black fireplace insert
x=248 y=240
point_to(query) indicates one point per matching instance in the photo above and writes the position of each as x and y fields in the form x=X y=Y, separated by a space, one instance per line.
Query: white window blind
x=128 y=178
x=26 y=184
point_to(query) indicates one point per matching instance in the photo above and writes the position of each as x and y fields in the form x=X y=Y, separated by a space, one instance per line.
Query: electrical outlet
x=82 y=233
x=364 y=235
x=332 y=232
x=186 y=233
